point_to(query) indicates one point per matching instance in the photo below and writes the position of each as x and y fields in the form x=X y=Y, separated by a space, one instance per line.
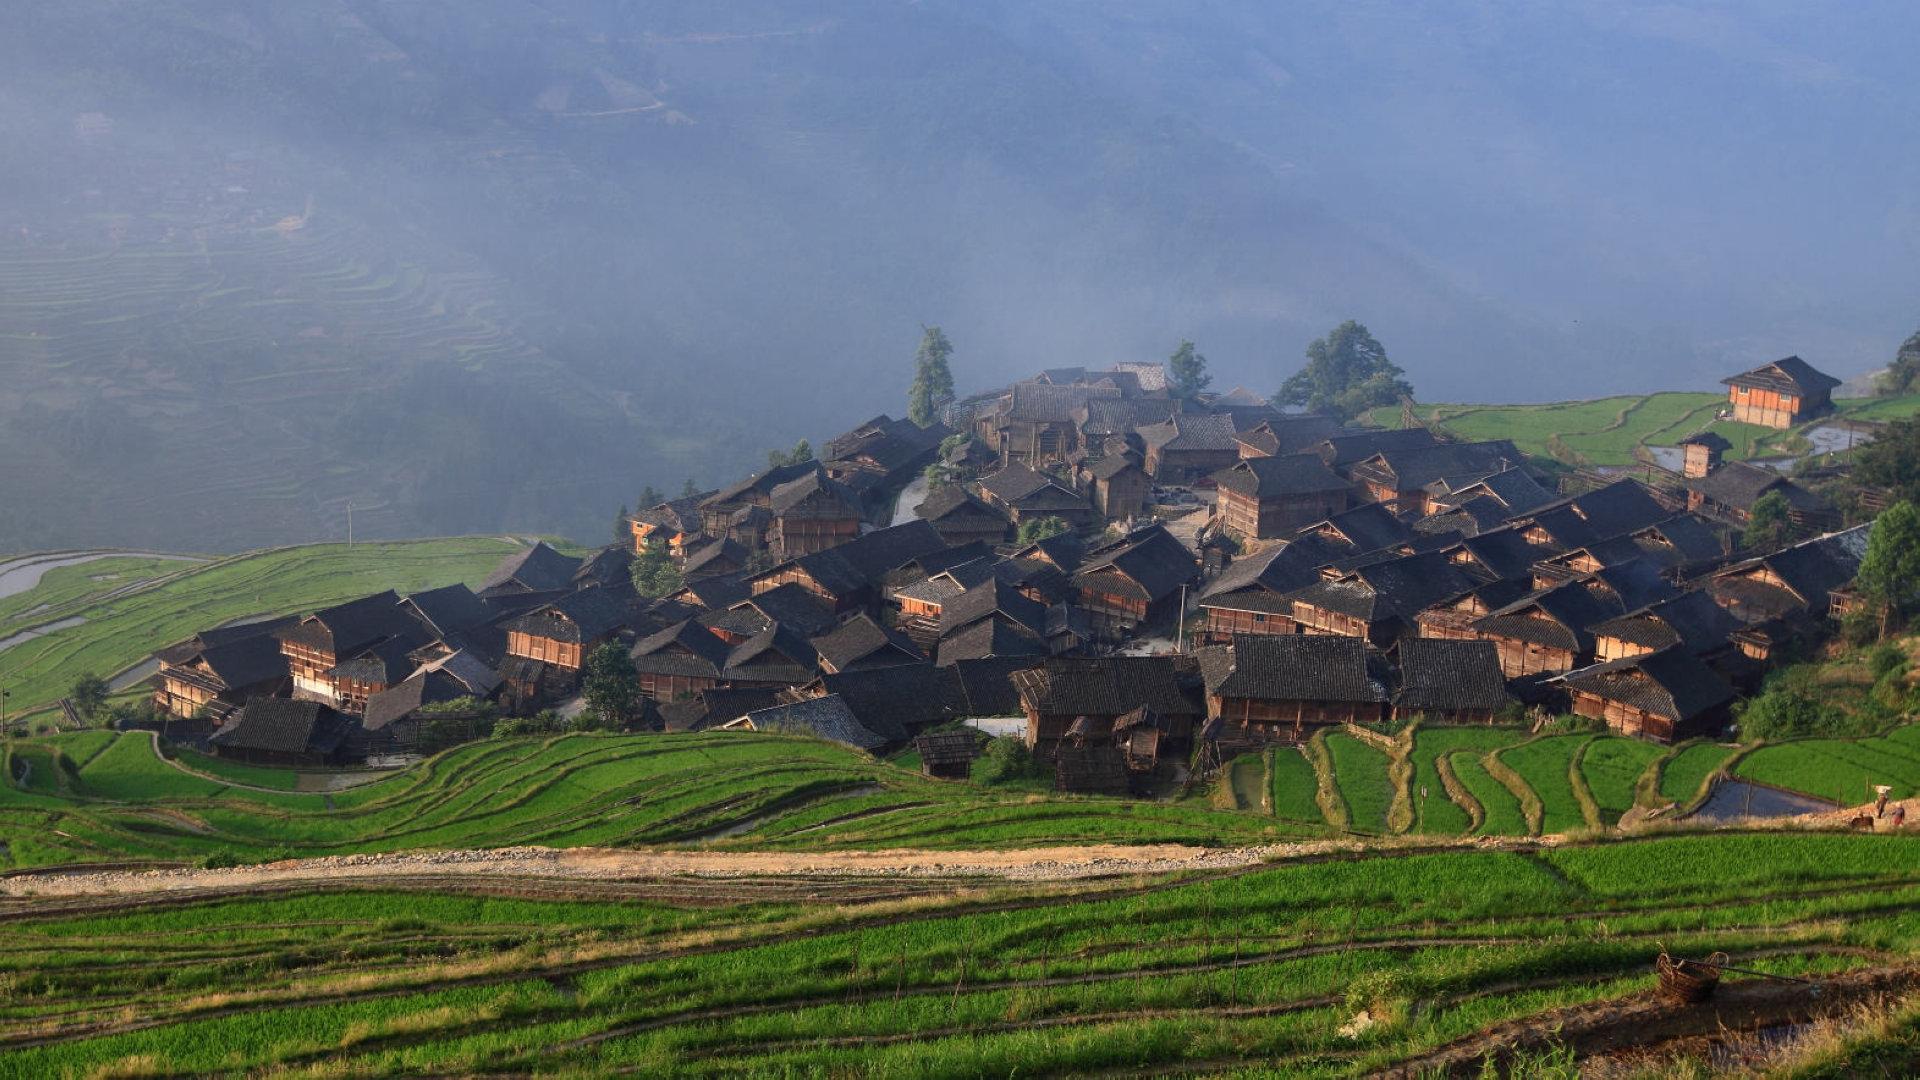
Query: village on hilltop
x=1137 y=582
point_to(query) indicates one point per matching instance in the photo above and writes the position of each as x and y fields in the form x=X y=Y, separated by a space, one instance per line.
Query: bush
x=1792 y=706
x=1569 y=724
x=219 y=860
x=1885 y=659
x=1008 y=760
x=545 y=722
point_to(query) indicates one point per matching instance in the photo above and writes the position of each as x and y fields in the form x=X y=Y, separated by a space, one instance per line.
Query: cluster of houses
x=1341 y=576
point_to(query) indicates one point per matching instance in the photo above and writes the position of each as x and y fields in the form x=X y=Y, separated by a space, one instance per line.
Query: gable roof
x=1271 y=574
x=949 y=500
x=1740 y=485
x=1690 y=619
x=988 y=598
x=822 y=717
x=1712 y=440
x=1672 y=683
x=449 y=609
x=577 y=617
x=896 y=701
x=987 y=684
x=1368 y=527
x=1449 y=675
x=789 y=605
x=1691 y=539
x=1017 y=482
x=993 y=635
x=1116 y=416
x=1790 y=375
x=860 y=640
x=354 y=625
x=759 y=484
x=680 y=515
x=536 y=569
x=283 y=726
x=421 y=689
x=714 y=558
x=716 y=705
x=1191 y=431
x=1108 y=686
x=1153 y=562
x=1113 y=465
x=1811 y=569
x=1561 y=617
x=1399 y=587
x=1514 y=488
x=1289 y=667
x=775 y=654
x=685 y=648
x=831 y=494
x=1340 y=451
x=1415 y=468
x=1277 y=477
x=1042 y=403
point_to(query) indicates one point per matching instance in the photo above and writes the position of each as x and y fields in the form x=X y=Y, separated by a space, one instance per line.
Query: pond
x=1735 y=799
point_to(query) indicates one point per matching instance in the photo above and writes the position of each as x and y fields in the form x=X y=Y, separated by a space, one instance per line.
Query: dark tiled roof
x=1151 y=558
x=1291 y=667
x=450 y=609
x=860 y=640
x=718 y=557
x=988 y=598
x=897 y=701
x=775 y=654
x=386 y=663
x=685 y=648
x=1065 y=551
x=948 y=500
x=1691 y=619
x=718 y=591
x=577 y=617
x=1690 y=537
x=1369 y=527
x=349 y=627
x=1449 y=675
x=715 y=706
x=761 y=483
x=1275 y=571
x=1016 y=482
x=1410 y=470
x=1108 y=686
x=1811 y=568
x=822 y=717
x=245 y=662
x=832 y=494
x=1277 y=477
x=790 y=605
x=1633 y=584
x=537 y=569
x=611 y=565
x=990 y=636
x=1561 y=617
x=1340 y=451
x=1115 y=416
x=1113 y=465
x=677 y=516
x=422 y=689
x=284 y=726
x=1709 y=439
x=1040 y=403
x=1514 y=488
x=948 y=747
x=1191 y=431
x=1395 y=588
x=1672 y=683
x=1740 y=485
x=987 y=685
x=1791 y=375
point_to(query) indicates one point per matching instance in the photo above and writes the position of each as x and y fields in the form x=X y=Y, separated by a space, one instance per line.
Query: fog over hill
x=486 y=264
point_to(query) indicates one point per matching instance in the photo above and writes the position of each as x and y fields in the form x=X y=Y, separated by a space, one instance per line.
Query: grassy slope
x=122 y=631
x=1543 y=764
x=1293 y=786
x=1361 y=772
x=1216 y=975
x=1612 y=768
x=1608 y=431
x=729 y=790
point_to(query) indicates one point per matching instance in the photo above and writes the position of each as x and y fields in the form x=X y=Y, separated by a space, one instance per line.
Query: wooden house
x=680 y=661
x=1025 y=495
x=1452 y=618
x=448 y=611
x=371 y=671
x=776 y=656
x=1377 y=602
x=879 y=458
x=538 y=572
x=811 y=513
x=826 y=718
x=280 y=731
x=215 y=672
x=320 y=642
x=895 y=702
x=1400 y=478
x=919 y=605
x=961 y=518
x=1289 y=433
x=1617 y=509
x=1664 y=696
x=1449 y=682
x=712 y=708
x=1690 y=620
x=1502 y=554
x=673 y=525
x=1700 y=453
x=947 y=755
x=1283 y=689
x=1109 y=426
x=1548 y=631
x=1119 y=486
x=1092 y=770
x=1797 y=581
x=714 y=558
x=1252 y=595
x=789 y=605
x=1781 y=394
x=997 y=635
x=1188 y=447
x=1035 y=423
x=728 y=512
x=1507 y=493
x=1268 y=498
x=861 y=644
x=1058 y=691
x=1135 y=582
x=1342 y=452
x=852 y=576
x=565 y=632
x=1363 y=529
x=391 y=723
x=1728 y=493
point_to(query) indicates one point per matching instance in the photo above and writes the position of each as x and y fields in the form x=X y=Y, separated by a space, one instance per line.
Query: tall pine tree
x=932 y=378
x=1347 y=373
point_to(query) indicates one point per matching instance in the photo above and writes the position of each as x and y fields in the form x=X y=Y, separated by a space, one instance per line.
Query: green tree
x=1903 y=375
x=1007 y=760
x=1890 y=571
x=649 y=498
x=932 y=377
x=611 y=688
x=688 y=490
x=654 y=574
x=1037 y=529
x=1347 y=373
x=1891 y=461
x=88 y=695
x=1769 y=523
x=1187 y=372
x=622 y=532
x=802 y=451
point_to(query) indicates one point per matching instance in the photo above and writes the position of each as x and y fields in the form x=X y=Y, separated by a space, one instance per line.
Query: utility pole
x=349 y=522
x=1180 y=624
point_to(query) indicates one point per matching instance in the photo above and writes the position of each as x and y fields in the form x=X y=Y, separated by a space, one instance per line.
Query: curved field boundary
x=1333 y=805
x=1583 y=794
x=1456 y=791
x=1530 y=806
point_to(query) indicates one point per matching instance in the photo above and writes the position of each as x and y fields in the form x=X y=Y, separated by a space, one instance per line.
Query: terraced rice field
x=119 y=626
x=1248 y=972
x=1360 y=771
x=98 y=796
x=1843 y=771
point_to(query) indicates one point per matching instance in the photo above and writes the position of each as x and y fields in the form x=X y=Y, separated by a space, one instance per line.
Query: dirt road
x=605 y=865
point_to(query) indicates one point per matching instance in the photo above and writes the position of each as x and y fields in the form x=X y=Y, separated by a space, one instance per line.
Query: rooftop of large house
x=537 y=569
x=1307 y=667
x=1279 y=477
x=1790 y=375
x=1671 y=683
x=1740 y=485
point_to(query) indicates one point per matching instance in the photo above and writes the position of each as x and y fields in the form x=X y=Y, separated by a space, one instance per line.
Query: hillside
x=107 y=617
x=491 y=264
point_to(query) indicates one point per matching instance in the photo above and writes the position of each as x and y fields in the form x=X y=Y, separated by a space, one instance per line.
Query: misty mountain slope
x=496 y=264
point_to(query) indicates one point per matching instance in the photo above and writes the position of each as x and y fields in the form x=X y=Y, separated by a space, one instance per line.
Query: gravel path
x=603 y=864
